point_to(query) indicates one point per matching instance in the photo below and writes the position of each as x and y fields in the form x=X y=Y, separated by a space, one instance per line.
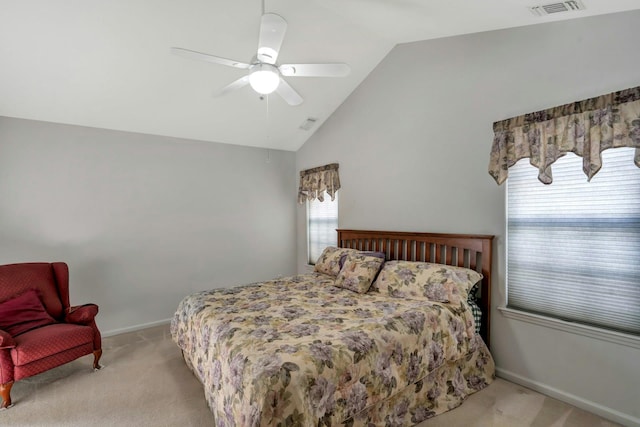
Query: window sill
x=573 y=328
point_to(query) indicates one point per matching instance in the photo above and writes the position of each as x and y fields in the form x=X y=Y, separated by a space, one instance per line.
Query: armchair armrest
x=81 y=314
x=6 y=340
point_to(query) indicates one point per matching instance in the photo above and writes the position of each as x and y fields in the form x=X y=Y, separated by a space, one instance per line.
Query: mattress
x=301 y=351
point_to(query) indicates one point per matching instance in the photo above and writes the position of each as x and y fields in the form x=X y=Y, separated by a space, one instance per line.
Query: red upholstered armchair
x=38 y=328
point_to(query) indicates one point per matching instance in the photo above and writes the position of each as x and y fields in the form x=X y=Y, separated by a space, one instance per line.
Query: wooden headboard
x=463 y=250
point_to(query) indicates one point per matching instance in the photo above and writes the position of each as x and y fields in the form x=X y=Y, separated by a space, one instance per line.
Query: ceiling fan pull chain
x=268 y=160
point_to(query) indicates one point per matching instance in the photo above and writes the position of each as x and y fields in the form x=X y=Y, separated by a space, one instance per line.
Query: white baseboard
x=587 y=405
x=135 y=328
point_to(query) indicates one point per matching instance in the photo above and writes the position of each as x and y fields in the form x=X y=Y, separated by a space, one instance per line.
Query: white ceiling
x=106 y=63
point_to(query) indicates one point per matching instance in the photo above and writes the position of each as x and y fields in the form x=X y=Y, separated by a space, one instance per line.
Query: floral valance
x=585 y=128
x=314 y=182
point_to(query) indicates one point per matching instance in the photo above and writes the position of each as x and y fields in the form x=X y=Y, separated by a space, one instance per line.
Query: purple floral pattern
x=329 y=260
x=585 y=128
x=435 y=282
x=314 y=182
x=330 y=359
x=358 y=272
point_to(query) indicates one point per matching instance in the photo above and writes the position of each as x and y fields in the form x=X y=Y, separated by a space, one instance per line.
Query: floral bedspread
x=300 y=351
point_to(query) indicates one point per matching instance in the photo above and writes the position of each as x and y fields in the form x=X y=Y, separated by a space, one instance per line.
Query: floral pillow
x=376 y=254
x=436 y=282
x=329 y=260
x=358 y=272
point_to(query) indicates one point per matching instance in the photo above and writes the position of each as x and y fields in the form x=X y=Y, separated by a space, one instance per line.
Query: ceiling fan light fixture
x=264 y=78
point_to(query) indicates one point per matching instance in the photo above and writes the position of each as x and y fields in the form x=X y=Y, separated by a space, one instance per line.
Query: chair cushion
x=23 y=313
x=49 y=340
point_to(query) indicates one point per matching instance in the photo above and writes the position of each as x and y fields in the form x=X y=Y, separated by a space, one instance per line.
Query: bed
x=326 y=349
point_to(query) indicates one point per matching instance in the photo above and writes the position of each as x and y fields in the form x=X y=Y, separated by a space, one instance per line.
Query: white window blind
x=322 y=222
x=573 y=247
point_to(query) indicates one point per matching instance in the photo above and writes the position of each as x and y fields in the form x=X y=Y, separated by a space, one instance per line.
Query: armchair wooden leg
x=96 y=359
x=5 y=392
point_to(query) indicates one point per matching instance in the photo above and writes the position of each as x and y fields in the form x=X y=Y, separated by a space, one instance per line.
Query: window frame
x=327 y=198
x=575 y=327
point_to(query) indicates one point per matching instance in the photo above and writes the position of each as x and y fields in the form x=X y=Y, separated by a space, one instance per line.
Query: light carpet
x=146 y=383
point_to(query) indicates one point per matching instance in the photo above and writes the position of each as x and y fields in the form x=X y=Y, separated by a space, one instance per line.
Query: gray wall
x=143 y=220
x=413 y=145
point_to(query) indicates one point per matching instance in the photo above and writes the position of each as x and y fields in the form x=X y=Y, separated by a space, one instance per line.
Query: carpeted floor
x=146 y=383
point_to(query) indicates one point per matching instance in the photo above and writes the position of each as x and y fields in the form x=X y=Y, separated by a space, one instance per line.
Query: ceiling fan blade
x=288 y=93
x=272 y=29
x=242 y=81
x=315 y=70
x=192 y=54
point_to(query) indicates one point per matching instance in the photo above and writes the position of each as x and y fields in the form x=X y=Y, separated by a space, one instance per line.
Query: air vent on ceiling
x=308 y=124
x=551 y=8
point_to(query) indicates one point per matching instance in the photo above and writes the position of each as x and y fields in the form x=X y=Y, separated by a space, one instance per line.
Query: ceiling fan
x=265 y=75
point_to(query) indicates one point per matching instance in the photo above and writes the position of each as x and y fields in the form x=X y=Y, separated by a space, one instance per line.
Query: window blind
x=322 y=222
x=573 y=247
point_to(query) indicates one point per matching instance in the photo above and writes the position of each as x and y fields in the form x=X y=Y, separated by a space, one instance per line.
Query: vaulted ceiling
x=107 y=64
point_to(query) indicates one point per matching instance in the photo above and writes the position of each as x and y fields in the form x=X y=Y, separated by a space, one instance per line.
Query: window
x=322 y=222
x=573 y=247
